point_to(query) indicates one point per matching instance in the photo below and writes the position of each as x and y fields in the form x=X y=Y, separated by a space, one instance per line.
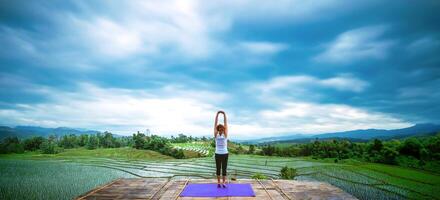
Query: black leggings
x=221 y=161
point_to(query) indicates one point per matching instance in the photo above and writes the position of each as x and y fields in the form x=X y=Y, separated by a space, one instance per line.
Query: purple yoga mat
x=211 y=190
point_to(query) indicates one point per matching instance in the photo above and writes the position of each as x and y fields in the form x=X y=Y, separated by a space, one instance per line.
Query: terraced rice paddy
x=363 y=180
x=27 y=179
x=199 y=147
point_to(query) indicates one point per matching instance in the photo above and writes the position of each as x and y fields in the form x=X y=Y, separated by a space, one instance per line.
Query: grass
x=120 y=153
x=115 y=153
x=363 y=180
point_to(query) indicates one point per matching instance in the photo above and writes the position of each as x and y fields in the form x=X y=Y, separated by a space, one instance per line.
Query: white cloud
x=306 y=117
x=165 y=111
x=281 y=114
x=93 y=33
x=177 y=109
x=345 y=82
x=357 y=44
x=342 y=82
x=148 y=28
x=108 y=38
x=263 y=48
x=292 y=117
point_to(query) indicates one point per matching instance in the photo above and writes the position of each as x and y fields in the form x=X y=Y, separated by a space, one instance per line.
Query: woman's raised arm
x=226 y=124
x=215 y=124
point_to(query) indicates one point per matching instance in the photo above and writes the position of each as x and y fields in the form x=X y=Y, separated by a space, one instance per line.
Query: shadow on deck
x=159 y=188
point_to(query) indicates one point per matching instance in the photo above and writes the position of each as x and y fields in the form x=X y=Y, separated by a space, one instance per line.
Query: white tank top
x=221 y=145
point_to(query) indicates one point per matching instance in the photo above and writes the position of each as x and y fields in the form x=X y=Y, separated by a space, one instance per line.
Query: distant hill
x=29 y=131
x=312 y=139
x=355 y=135
x=275 y=139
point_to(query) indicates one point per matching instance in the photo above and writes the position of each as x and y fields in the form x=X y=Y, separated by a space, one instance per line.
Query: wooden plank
x=160 y=189
x=180 y=190
x=285 y=196
x=97 y=189
x=265 y=189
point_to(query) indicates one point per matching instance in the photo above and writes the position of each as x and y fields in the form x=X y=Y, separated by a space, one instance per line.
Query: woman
x=221 y=148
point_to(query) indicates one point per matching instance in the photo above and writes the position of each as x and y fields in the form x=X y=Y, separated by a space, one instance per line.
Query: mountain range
x=29 y=131
x=354 y=135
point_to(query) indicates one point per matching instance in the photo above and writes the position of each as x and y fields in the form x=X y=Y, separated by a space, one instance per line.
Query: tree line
x=156 y=143
x=415 y=152
x=182 y=138
x=55 y=144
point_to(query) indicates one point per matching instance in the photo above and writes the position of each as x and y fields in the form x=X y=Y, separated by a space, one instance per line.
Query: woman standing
x=221 y=148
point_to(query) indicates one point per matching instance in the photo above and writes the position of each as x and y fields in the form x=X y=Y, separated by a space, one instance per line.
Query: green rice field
x=203 y=148
x=71 y=173
x=29 y=179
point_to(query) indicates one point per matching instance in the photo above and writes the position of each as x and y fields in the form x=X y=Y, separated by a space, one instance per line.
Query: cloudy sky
x=276 y=68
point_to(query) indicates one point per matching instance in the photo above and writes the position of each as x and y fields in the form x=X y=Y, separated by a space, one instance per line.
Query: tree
x=376 y=146
x=11 y=145
x=32 y=144
x=306 y=150
x=288 y=173
x=139 y=140
x=93 y=142
x=181 y=138
x=433 y=147
x=389 y=155
x=68 y=141
x=251 y=149
x=411 y=147
x=83 y=139
x=49 y=147
x=268 y=150
x=107 y=140
x=177 y=153
x=100 y=138
x=156 y=143
x=52 y=138
x=240 y=149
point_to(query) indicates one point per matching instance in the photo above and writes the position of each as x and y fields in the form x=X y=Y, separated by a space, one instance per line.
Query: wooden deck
x=152 y=188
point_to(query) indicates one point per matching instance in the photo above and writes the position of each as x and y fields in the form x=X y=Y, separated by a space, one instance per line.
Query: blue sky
x=168 y=66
